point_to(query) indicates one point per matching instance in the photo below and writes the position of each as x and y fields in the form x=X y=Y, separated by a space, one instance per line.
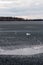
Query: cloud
x=21 y=8
x=15 y=3
x=5 y=3
x=20 y=3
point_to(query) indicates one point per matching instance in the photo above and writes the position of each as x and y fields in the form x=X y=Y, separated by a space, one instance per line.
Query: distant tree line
x=17 y=19
x=11 y=19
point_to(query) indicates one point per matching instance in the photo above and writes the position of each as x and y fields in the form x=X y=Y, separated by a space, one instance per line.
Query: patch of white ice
x=24 y=51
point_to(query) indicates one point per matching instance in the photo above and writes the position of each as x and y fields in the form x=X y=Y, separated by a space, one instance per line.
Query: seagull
x=28 y=34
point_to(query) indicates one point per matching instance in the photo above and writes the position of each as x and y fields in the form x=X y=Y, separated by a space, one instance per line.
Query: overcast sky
x=22 y=8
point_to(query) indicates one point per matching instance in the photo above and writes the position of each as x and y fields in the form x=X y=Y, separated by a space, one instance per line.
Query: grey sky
x=22 y=8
